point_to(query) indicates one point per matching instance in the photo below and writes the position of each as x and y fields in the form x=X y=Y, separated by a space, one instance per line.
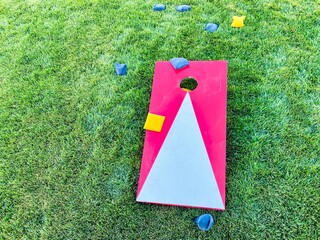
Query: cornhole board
x=184 y=164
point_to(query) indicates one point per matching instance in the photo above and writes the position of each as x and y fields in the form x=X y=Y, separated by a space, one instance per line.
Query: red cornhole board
x=185 y=163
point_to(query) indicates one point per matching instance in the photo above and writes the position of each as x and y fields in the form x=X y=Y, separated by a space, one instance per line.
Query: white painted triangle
x=182 y=173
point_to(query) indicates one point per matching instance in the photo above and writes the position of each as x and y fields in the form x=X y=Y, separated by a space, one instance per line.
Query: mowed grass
x=71 y=131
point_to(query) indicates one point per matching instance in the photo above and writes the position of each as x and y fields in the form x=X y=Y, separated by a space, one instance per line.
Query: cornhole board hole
x=184 y=155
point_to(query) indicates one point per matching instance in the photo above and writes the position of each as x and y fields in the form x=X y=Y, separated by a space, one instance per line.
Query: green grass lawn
x=71 y=131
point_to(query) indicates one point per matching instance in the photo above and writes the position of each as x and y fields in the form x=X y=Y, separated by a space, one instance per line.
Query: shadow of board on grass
x=243 y=105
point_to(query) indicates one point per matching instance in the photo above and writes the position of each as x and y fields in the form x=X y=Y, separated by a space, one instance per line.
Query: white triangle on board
x=182 y=173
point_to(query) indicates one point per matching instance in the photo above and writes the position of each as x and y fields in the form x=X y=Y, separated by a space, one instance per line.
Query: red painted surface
x=209 y=101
